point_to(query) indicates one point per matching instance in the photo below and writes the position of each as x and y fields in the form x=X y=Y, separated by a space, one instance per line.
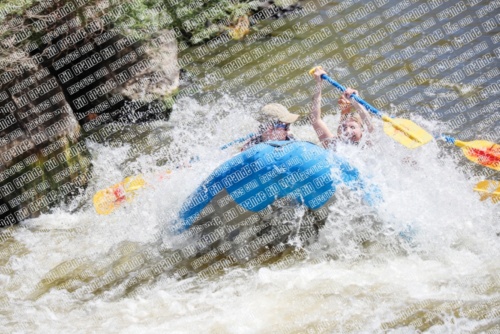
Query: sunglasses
x=274 y=125
x=281 y=125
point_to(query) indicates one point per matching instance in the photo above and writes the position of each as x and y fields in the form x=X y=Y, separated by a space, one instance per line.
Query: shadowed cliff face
x=68 y=76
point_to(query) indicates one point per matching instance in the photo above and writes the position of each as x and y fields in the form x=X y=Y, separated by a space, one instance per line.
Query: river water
x=65 y=272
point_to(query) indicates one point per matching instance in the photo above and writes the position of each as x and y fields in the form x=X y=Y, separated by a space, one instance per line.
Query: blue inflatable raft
x=268 y=174
x=261 y=204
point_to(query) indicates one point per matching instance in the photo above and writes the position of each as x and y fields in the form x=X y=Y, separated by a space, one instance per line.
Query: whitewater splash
x=75 y=271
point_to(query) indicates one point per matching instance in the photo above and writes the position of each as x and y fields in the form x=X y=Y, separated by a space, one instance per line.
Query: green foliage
x=13 y=7
x=200 y=20
x=193 y=20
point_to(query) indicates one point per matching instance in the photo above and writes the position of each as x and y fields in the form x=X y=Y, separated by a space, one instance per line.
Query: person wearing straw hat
x=351 y=127
x=276 y=120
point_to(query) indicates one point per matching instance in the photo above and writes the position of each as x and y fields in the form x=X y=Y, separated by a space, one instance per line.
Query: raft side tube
x=253 y=180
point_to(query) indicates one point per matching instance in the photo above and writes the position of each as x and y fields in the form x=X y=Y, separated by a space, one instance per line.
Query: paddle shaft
x=355 y=97
x=481 y=152
x=371 y=108
x=446 y=138
x=225 y=146
x=461 y=144
x=236 y=141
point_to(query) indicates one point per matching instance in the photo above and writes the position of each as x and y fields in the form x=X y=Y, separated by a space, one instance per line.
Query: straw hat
x=279 y=111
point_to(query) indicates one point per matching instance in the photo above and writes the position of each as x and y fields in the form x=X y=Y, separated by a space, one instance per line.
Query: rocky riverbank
x=74 y=72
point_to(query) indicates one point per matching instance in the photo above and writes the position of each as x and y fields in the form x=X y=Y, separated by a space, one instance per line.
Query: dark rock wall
x=68 y=76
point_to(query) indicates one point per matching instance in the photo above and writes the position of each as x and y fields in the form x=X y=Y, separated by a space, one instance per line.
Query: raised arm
x=319 y=126
x=365 y=115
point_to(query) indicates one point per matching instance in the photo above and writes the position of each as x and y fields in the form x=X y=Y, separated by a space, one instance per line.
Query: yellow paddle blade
x=105 y=202
x=489 y=189
x=132 y=183
x=481 y=152
x=108 y=200
x=405 y=132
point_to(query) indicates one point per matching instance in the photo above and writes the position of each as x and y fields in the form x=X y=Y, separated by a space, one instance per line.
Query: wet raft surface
x=265 y=197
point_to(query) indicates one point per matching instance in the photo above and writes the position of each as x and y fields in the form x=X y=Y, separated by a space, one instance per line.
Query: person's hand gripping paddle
x=401 y=130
